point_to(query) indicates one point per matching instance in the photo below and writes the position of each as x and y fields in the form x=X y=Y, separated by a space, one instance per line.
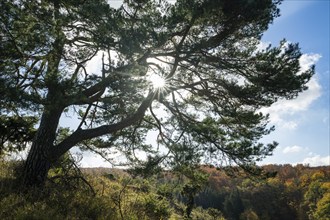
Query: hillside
x=289 y=192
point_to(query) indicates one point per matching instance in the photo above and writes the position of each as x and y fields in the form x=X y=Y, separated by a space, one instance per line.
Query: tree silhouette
x=206 y=51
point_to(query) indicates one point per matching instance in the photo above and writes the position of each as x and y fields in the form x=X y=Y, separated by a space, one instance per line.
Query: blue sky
x=302 y=125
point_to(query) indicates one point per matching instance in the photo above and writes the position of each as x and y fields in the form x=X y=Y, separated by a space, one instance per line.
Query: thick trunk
x=36 y=166
x=39 y=159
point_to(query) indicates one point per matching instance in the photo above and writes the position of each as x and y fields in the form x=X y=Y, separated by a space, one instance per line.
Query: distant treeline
x=289 y=192
x=294 y=192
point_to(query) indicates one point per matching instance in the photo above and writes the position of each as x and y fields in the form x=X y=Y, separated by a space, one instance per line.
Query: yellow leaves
x=319 y=175
x=304 y=179
x=323 y=207
x=326 y=186
x=274 y=181
x=249 y=215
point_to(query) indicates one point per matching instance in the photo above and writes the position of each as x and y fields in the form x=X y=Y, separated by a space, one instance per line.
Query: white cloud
x=94 y=66
x=311 y=154
x=263 y=45
x=283 y=108
x=290 y=125
x=94 y=160
x=89 y=159
x=292 y=149
x=307 y=60
x=115 y=4
x=317 y=161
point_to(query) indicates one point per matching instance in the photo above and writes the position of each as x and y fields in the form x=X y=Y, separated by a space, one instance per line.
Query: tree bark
x=36 y=166
x=39 y=159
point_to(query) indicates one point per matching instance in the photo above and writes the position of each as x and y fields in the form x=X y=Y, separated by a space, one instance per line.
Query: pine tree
x=205 y=52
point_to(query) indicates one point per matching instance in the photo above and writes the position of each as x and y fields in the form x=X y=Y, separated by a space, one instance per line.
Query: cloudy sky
x=302 y=125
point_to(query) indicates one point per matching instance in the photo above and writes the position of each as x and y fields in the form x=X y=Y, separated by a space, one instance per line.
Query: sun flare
x=157 y=81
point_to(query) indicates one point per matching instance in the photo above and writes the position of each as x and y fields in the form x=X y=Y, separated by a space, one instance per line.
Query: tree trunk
x=39 y=159
x=36 y=166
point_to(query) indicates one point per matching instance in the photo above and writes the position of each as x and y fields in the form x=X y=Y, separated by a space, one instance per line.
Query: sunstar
x=157 y=81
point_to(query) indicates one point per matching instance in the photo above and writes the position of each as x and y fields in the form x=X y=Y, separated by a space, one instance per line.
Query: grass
x=106 y=197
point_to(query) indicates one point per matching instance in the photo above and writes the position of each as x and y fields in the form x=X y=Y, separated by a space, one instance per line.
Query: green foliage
x=233 y=205
x=288 y=195
x=207 y=50
x=123 y=199
x=156 y=197
x=206 y=214
x=194 y=179
x=323 y=207
x=16 y=132
x=249 y=215
x=37 y=204
x=317 y=196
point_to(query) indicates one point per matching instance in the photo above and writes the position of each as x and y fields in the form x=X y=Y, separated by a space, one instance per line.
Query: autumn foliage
x=283 y=192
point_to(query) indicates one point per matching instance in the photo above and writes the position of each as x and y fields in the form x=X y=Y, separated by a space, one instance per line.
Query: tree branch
x=80 y=135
